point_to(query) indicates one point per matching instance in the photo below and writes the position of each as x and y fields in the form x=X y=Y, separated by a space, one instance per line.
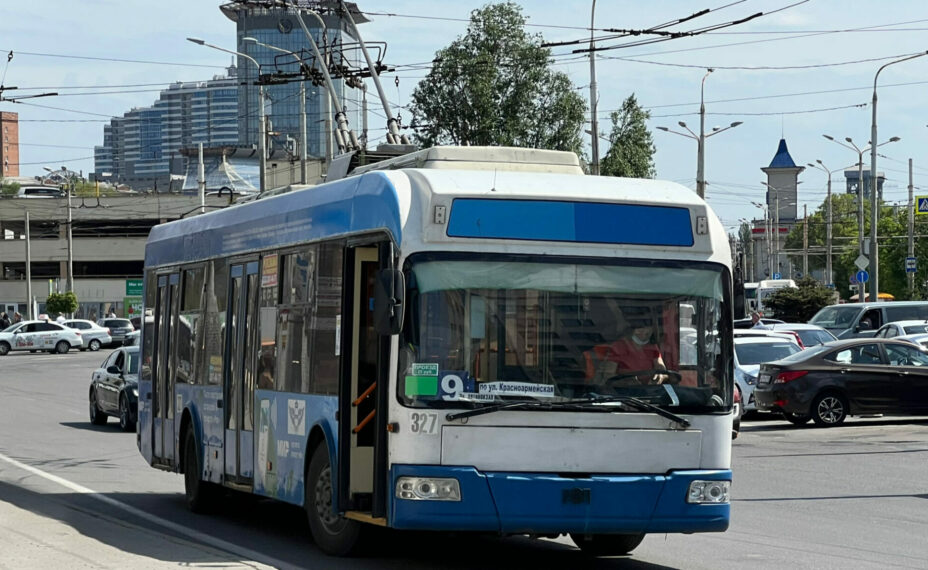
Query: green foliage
x=892 y=229
x=798 y=305
x=61 y=303
x=9 y=189
x=632 y=150
x=495 y=87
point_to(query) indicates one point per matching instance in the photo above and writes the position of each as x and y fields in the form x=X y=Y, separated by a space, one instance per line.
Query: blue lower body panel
x=543 y=503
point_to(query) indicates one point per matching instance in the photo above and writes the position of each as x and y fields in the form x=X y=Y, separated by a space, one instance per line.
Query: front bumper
x=545 y=503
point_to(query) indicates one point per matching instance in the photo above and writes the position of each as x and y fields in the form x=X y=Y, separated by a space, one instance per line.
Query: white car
x=901 y=328
x=93 y=335
x=39 y=335
x=750 y=353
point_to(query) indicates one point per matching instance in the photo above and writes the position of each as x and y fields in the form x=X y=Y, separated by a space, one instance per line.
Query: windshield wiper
x=581 y=404
x=585 y=404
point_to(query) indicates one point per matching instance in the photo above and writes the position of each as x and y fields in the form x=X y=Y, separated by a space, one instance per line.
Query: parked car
x=114 y=388
x=39 y=335
x=119 y=328
x=809 y=335
x=899 y=328
x=829 y=382
x=750 y=353
x=917 y=339
x=748 y=323
x=851 y=320
x=93 y=336
x=41 y=192
x=132 y=338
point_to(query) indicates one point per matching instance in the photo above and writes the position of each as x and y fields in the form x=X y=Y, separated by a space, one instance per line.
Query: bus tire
x=606 y=544
x=333 y=533
x=200 y=494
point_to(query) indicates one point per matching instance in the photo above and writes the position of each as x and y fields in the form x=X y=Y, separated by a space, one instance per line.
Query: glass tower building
x=142 y=148
x=279 y=27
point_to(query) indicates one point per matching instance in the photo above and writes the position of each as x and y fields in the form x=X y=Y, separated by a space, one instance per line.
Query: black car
x=114 y=388
x=829 y=382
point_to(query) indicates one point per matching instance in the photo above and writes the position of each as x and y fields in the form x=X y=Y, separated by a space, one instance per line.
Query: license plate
x=764 y=379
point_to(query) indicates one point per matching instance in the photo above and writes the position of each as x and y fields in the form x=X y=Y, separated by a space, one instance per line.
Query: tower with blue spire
x=783 y=183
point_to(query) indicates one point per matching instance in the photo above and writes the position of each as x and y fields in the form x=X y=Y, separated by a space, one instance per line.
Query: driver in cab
x=635 y=353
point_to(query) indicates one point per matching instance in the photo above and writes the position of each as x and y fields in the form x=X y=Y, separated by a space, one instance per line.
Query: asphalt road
x=73 y=495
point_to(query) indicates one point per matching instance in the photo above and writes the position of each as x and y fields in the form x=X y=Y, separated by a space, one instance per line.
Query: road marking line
x=246 y=553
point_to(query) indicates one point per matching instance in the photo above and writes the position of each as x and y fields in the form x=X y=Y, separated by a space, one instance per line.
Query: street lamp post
x=829 y=275
x=594 y=123
x=874 y=203
x=766 y=211
x=860 y=192
x=701 y=141
x=303 y=142
x=261 y=120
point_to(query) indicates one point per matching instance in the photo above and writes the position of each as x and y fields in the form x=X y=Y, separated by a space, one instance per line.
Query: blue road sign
x=862 y=276
x=911 y=264
x=775 y=276
x=921 y=205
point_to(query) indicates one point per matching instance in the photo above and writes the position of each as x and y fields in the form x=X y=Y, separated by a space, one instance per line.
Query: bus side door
x=362 y=392
x=163 y=373
x=238 y=378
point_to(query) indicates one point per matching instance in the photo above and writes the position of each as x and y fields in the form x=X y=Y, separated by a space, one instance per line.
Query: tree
x=799 y=304
x=632 y=149
x=495 y=87
x=61 y=303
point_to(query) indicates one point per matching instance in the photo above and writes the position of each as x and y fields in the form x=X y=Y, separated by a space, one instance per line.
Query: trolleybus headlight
x=708 y=492
x=428 y=489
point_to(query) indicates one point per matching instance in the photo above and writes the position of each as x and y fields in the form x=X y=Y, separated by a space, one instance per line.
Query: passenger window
x=866 y=354
x=905 y=356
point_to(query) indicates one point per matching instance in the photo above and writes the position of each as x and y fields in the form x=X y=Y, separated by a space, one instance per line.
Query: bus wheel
x=333 y=533
x=200 y=494
x=606 y=544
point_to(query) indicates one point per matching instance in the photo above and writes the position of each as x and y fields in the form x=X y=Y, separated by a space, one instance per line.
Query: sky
x=800 y=70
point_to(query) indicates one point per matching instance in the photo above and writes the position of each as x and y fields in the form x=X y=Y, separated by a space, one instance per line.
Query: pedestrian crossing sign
x=921 y=205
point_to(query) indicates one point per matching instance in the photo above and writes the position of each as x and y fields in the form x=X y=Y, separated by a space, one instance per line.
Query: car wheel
x=333 y=533
x=829 y=409
x=97 y=416
x=94 y=345
x=606 y=544
x=33 y=351
x=200 y=494
x=797 y=419
x=62 y=347
x=4 y=349
x=126 y=417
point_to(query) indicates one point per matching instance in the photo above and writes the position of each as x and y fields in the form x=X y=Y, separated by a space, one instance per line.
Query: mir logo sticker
x=296 y=417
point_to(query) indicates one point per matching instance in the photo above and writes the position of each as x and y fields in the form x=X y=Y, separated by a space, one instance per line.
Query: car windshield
x=835 y=317
x=761 y=352
x=493 y=330
x=915 y=329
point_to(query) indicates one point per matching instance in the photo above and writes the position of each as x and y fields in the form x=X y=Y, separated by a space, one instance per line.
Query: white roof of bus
x=482 y=158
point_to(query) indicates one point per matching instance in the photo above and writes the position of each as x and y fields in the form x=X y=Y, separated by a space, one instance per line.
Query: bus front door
x=163 y=374
x=239 y=373
x=362 y=477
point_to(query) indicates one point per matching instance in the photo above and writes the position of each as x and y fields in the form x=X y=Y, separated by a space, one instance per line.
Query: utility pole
x=594 y=123
x=29 y=315
x=805 y=241
x=911 y=275
x=860 y=219
x=201 y=179
x=829 y=275
x=70 y=244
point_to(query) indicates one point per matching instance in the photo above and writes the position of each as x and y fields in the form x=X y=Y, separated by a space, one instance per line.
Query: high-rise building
x=270 y=24
x=9 y=144
x=142 y=148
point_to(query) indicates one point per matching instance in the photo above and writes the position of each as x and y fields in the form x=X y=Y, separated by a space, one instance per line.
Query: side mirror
x=864 y=326
x=389 y=294
x=114 y=370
